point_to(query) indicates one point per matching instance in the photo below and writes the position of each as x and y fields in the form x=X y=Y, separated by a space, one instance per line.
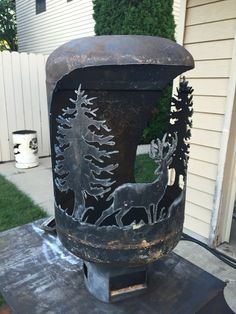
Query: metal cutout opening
x=85 y=270
x=127 y=283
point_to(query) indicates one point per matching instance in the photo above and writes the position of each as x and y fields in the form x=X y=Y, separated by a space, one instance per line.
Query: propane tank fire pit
x=101 y=92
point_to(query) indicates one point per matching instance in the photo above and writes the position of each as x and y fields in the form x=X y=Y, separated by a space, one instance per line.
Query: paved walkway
x=37 y=183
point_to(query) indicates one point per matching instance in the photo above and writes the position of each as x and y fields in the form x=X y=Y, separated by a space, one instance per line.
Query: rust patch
x=116 y=245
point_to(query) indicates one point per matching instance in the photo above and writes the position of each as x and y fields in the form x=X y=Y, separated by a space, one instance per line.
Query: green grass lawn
x=144 y=169
x=15 y=209
x=2 y=302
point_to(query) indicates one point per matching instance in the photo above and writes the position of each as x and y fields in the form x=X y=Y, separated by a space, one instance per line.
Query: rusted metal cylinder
x=102 y=91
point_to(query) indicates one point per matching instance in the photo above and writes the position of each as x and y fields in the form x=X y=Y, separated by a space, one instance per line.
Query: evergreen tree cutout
x=181 y=122
x=82 y=153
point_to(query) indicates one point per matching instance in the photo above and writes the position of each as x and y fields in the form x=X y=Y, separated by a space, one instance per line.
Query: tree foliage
x=8 y=39
x=139 y=17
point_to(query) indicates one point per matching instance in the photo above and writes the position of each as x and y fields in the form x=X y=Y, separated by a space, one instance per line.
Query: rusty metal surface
x=125 y=116
x=130 y=245
x=112 y=284
x=85 y=134
x=38 y=275
x=115 y=50
x=102 y=91
x=140 y=240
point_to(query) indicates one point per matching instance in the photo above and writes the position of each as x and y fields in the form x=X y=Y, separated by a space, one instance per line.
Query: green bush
x=139 y=17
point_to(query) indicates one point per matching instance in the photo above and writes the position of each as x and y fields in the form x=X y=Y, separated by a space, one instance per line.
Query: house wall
x=208 y=34
x=61 y=22
x=176 y=9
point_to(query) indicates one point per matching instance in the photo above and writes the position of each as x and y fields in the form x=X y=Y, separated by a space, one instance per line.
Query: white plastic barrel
x=25 y=148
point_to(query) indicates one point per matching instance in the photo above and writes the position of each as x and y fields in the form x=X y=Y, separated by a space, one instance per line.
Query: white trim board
x=222 y=213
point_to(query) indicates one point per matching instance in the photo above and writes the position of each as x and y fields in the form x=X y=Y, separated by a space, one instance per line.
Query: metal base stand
x=110 y=284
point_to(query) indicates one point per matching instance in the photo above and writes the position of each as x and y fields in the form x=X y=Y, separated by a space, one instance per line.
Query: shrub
x=139 y=17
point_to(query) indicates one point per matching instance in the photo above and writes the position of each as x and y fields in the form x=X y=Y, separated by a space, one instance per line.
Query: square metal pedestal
x=39 y=276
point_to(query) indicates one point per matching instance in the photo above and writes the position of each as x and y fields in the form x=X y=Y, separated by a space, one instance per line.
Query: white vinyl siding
x=61 y=22
x=176 y=8
x=209 y=36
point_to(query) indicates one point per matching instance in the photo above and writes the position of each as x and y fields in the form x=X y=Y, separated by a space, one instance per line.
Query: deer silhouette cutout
x=144 y=195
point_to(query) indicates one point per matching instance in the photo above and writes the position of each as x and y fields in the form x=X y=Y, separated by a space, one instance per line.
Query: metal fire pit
x=101 y=93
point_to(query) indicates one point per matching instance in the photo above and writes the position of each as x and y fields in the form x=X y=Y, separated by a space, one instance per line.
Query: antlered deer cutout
x=144 y=195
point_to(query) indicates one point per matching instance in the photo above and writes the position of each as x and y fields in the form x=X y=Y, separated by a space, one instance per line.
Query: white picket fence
x=23 y=100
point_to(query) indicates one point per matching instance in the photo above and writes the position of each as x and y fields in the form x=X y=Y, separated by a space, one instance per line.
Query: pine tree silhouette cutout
x=83 y=152
x=181 y=122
